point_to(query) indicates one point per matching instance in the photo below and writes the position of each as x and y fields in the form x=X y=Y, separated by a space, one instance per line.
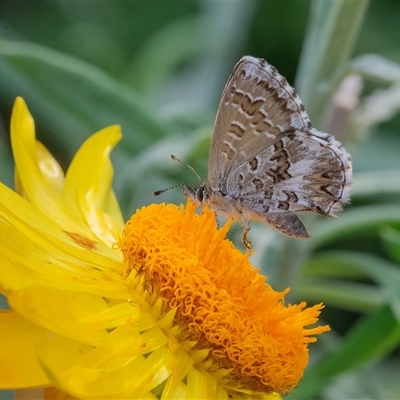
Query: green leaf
x=371 y=338
x=170 y=64
x=384 y=273
x=376 y=381
x=351 y=296
x=73 y=98
x=376 y=183
x=170 y=45
x=358 y=221
x=331 y=264
x=380 y=106
x=391 y=241
x=330 y=38
x=374 y=66
x=316 y=285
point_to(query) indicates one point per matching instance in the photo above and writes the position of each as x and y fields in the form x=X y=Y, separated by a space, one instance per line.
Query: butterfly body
x=266 y=161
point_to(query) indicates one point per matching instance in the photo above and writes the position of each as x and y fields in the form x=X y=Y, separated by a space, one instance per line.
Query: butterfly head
x=199 y=194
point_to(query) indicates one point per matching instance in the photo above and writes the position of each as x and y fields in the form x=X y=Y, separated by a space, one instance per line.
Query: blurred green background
x=159 y=68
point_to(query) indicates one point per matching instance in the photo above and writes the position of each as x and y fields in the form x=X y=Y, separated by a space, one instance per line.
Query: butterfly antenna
x=158 y=192
x=186 y=165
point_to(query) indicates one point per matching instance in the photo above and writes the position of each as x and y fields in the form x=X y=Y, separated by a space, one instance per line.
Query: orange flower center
x=222 y=302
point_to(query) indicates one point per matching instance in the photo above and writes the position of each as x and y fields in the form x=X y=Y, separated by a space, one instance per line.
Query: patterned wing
x=266 y=161
x=256 y=107
x=300 y=171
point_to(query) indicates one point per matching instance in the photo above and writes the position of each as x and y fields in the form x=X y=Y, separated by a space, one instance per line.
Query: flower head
x=221 y=302
x=163 y=308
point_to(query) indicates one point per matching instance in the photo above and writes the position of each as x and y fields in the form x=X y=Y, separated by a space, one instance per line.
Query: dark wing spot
x=281 y=157
x=265 y=126
x=237 y=98
x=278 y=146
x=258 y=183
x=273 y=70
x=260 y=83
x=283 y=205
x=284 y=82
x=291 y=196
x=327 y=190
x=229 y=151
x=254 y=164
x=236 y=130
x=249 y=106
x=268 y=194
x=336 y=175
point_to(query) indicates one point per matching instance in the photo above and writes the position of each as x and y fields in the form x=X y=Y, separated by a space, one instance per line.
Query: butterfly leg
x=216 y=218
x=246 y=241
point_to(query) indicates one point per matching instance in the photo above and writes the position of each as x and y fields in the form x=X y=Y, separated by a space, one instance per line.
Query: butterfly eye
x=201 y=194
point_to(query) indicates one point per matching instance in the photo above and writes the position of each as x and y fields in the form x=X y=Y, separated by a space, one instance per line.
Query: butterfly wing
x=256 y=107
x=266 y=160
x=301 y=171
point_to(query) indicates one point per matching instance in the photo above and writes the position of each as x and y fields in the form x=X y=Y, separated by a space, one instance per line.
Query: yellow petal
x=27 y=233
x=88 y=185
x=66 y=362
x=36 y=187
x=49 y=168
x=68 y=309
x=19 y=365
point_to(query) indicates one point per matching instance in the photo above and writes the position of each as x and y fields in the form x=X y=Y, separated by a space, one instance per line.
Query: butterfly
x=266 y=161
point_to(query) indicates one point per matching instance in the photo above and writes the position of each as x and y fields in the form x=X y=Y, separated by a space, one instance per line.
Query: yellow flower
x=163 y=308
